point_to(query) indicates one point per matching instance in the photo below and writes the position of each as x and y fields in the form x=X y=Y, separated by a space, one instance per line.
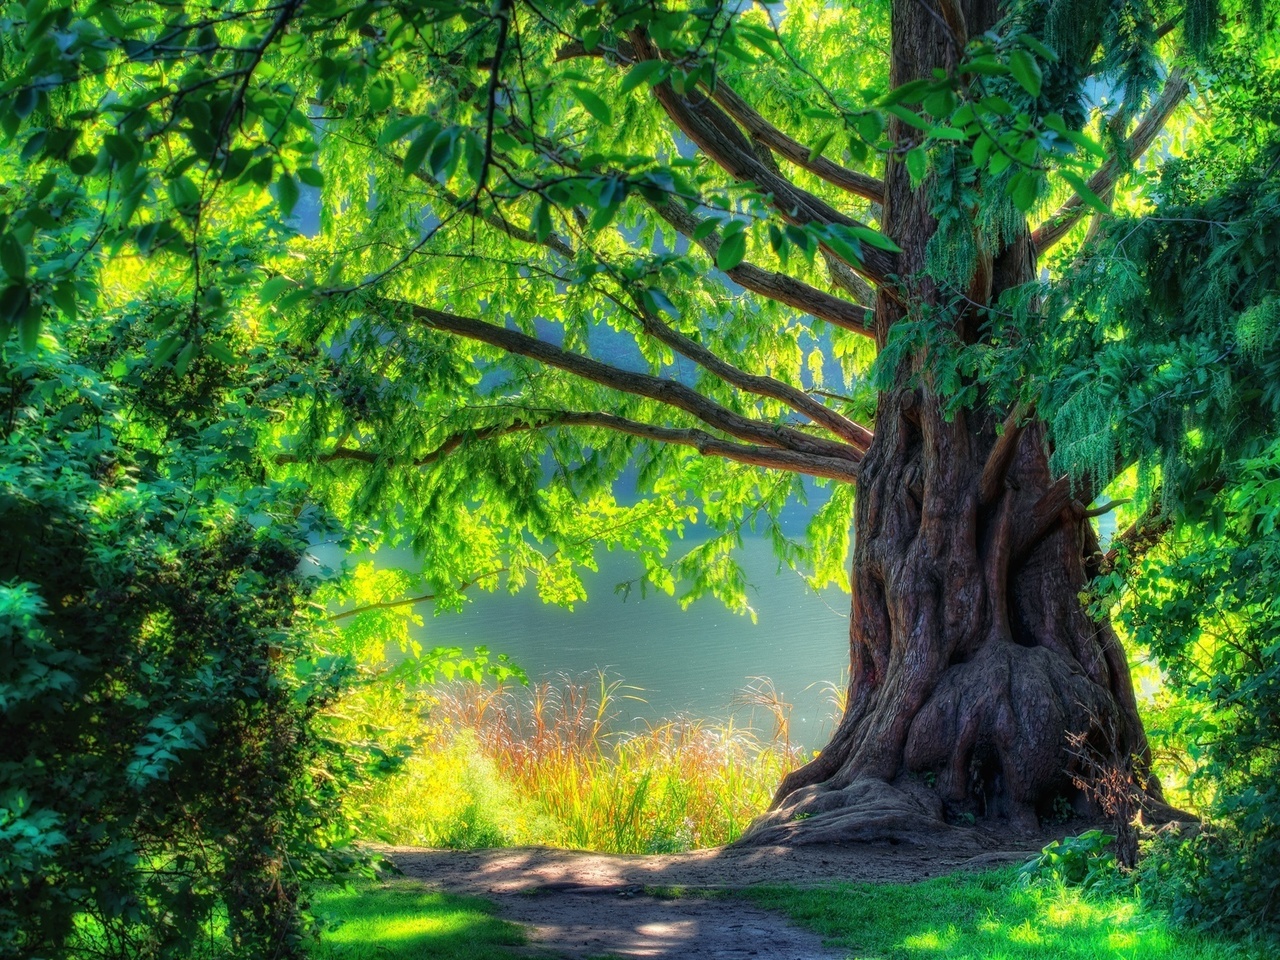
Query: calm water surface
x=693 y=662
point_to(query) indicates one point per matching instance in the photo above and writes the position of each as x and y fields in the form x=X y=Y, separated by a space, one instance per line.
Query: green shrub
x=164 y=787
x=1207 y=604
x=1085 y=861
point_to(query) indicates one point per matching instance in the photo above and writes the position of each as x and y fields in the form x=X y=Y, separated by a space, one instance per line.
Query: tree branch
x=836 y=468
x=716 y=135
x=669 y=392
x=764 y=132
x=758 y=128
x=997 y=465
x=1065 y=217
x=1141 y=535
x=798 y=400
x=771 y=284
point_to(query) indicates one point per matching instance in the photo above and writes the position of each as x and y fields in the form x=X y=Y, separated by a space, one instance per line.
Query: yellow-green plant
x=501 y=763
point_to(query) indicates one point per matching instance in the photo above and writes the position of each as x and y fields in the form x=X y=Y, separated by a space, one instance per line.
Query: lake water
x=693 y=662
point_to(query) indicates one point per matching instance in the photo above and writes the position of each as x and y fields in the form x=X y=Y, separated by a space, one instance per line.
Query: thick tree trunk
x=972 y=658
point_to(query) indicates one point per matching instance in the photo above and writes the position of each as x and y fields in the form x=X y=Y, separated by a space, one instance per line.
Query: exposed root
x=866 y=811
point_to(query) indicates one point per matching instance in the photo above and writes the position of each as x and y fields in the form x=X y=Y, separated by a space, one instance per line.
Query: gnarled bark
x=972 y=657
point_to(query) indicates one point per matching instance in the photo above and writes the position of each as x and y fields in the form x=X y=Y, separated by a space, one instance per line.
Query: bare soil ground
x=580 y=905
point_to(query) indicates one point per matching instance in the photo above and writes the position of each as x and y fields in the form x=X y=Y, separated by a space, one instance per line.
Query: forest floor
x=589 y=905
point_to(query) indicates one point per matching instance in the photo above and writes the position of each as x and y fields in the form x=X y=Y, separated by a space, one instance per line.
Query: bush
x=1084 y=861
x=1207 y=605
x=164 y=789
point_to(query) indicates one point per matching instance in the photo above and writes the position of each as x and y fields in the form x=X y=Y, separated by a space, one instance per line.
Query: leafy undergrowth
x=990 y=916
x=508 y=765
x=399 y=920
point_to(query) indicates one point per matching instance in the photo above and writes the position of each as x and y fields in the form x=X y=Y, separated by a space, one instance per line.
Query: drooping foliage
x=1165 y=347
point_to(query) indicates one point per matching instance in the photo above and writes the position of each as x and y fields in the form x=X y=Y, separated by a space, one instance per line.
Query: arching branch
x=717 y=136
x=768 y=283
x=836 y=468
x=670 y=392
x=757 y=127
x=761 y=130
x=1066 y=216
x=772 y=284
x=798 y=400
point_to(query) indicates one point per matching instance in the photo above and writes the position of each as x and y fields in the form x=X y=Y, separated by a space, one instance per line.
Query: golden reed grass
x=506 y=764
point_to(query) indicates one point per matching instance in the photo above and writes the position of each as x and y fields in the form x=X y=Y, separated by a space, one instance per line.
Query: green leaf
x=1082 y=188
x=843 y=244
x=381 y=92
x=417 y=150
x=443 y=151
x=287 y=193
x=29 y=328
x=909 y=118
x=1041 y=50
x=732 y=250
x=874 y=238
x=646 y=71
x=540 y=222
x=816 y=151
x=398 y=128
x=13 y=256
x=982 y=150
x=1023 y=187
x=871 y=126
x=1026 y=71
x=64 y=295
x=593 y=104
x=911 y=92
x=184 y=359
x=14 y=300
x=917 y=163
x=705 y=228
x=272 y=289
x=311 y=176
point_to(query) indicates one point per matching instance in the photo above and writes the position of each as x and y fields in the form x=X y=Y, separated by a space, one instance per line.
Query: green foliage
x=165 y=778
x=1173 y=361
x=1205 y=605
x=1083 y=861
x=302 y=198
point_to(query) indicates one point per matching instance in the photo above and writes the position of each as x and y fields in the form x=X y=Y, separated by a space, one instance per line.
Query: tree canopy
x=536 y=277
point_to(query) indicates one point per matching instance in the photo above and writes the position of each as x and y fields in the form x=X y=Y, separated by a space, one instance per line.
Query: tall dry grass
x=505 y=764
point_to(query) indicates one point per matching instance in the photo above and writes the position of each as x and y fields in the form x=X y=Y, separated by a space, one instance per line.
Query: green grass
x=399 y=920
x=988 y=917
x=508 y=765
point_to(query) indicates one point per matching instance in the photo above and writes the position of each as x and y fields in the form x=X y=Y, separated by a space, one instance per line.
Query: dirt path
x=580 y=905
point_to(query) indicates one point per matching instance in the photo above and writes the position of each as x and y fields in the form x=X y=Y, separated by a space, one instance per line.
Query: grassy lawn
x=988 y=917
x=398 y=920
x=963 y=917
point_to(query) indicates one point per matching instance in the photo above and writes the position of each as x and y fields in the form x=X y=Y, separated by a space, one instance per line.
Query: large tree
x=544 y=242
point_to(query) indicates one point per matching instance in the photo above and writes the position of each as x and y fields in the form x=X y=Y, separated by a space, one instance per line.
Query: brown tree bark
x=972 y=657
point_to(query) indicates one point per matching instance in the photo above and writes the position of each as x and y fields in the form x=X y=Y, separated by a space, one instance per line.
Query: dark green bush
x=164 y=789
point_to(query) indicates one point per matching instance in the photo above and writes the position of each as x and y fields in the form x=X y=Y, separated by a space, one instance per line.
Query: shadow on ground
x=582 y=905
